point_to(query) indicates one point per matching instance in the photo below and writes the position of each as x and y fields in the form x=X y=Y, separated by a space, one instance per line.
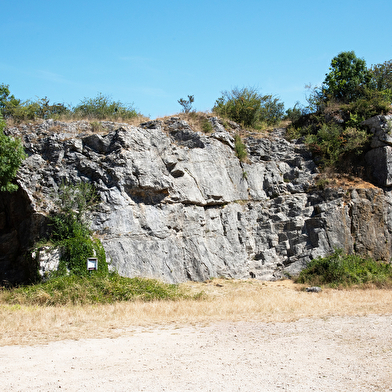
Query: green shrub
x=271 y=112
x=371 y=104
x=340 y=269
x=75 y=252
x=102 y=107
x=354 y=140
x=249 y=108
x=240 y=148
x=382 y=76
x=96 y=126
x=46 y=110
x=187 y=103
x=294 y=113
x=11 y=156
x=7 y=101
x=11 y=107
x=71 y=232
x=327 y=144
x=332 y=143
x=207 y=126
x=74 y=202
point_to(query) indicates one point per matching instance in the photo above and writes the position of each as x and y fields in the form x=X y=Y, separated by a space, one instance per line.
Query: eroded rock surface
x=379 y=158
x=178 y=204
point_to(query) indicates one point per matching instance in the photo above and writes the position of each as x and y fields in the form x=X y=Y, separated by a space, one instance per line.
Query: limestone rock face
x=179 y=205
x=379 y=158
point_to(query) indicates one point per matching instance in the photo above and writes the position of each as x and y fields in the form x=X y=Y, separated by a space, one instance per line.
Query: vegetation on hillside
x=101 y=107
x=342 y=270
x=71 y=230
x=187 y=103
x=72 y=284
x=248 y=107
x=331 y=122
x=11 y=156
x=94 y=289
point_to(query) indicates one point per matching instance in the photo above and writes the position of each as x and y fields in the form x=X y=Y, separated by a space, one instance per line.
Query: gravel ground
x=334 y=354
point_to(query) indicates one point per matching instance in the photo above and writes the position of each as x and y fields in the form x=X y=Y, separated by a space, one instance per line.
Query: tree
x=8 y=102
x=11 y=157
x=382 y=79
x=187 y=104
x=347 y=79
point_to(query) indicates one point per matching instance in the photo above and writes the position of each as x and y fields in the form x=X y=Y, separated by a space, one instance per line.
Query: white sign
x=92 y=264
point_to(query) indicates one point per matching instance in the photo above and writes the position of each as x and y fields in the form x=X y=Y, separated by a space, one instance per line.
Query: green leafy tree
x=347 y=79
x=382 y=75
x=382 y=80
x=4 y=94
x=11 y=157
x=11 y=107
x=248 y=107
x=8 y=102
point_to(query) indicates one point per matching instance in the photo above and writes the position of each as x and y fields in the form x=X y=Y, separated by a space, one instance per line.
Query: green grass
x=95 y=289
x=341 y=270
x=207 y=126
x=240 y=148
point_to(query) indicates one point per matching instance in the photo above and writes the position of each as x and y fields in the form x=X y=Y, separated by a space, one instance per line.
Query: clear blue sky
x=152 y=53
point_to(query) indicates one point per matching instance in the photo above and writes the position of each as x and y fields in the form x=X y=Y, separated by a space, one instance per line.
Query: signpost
x=92 y=264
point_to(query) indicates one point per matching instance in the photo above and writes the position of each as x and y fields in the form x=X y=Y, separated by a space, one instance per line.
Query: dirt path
x=335 y=354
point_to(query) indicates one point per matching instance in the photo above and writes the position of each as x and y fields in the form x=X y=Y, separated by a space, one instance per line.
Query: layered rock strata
x=179 y=205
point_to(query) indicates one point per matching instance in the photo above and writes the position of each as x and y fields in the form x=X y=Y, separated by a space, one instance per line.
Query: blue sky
x=152 y=53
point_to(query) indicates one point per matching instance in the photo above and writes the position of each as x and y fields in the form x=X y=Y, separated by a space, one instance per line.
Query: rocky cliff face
x=177 y=204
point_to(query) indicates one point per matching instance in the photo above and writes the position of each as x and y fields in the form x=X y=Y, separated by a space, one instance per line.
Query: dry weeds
x=229 y=300
x=194 y=119
x=344 y=181
x=134 y=121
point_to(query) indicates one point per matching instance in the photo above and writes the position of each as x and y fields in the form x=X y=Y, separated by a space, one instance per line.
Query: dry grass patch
x=196 y=120
x=331 y=179
x=229 y=300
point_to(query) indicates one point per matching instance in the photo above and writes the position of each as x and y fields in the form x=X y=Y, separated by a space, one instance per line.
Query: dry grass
x=194 y=119
x=225 y=300
x=135 y=121
x=332 y=179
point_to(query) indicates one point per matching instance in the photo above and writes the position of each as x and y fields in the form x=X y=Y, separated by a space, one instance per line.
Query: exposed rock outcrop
x=379 y=158
x=178 y=204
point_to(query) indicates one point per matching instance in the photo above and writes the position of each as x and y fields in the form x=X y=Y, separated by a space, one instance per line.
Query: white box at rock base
x=92 y=264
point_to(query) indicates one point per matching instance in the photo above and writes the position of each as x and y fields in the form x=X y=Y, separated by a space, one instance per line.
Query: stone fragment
x=314 y=289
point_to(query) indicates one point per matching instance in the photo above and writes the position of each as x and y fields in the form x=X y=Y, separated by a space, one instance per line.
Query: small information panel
x=92 y=264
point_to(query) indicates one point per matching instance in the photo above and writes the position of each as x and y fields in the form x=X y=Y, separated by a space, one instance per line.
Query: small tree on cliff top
x=347 y=79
